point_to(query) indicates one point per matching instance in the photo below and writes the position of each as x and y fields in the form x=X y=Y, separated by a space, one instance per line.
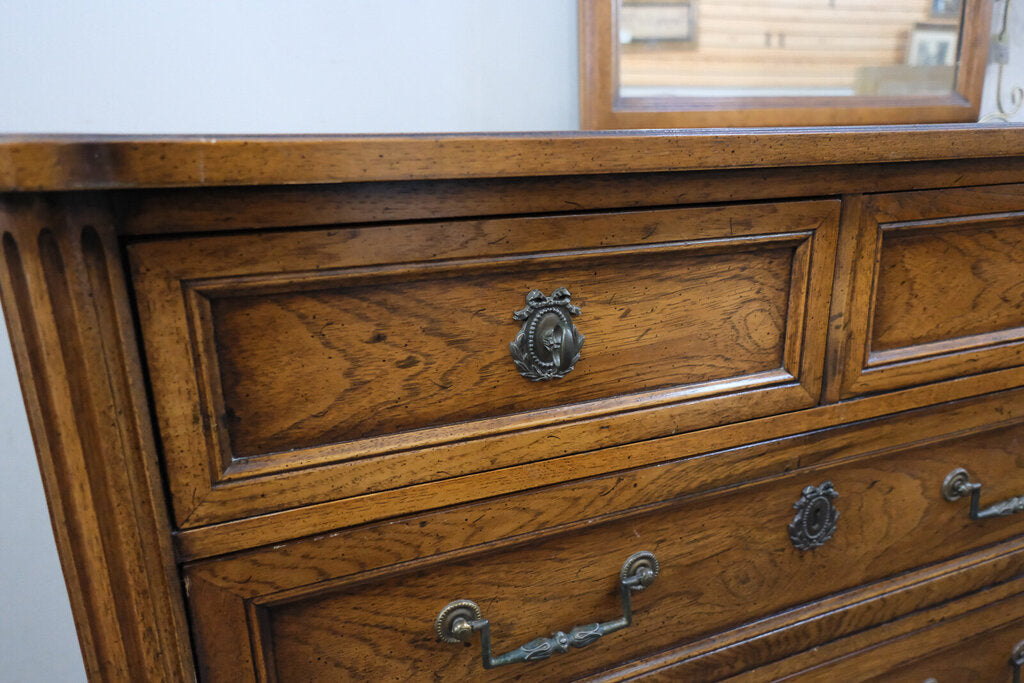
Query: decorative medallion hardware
x=816 y=517
x=958 y=484
x=459 y=620
x=1017 y=661
x=548 y=345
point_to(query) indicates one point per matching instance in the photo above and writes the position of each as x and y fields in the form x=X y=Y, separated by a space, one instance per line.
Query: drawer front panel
x=301 y=370
x=726 y=559
x=974 y=638
x=939 y=283
x=966 y=651
x=295 y=353
x=937 y=286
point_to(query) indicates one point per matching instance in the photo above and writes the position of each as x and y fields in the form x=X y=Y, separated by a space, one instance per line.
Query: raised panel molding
x=932 y=289
x=277 y=360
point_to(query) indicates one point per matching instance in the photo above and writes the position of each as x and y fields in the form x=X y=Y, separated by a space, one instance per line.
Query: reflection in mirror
x=787 y=48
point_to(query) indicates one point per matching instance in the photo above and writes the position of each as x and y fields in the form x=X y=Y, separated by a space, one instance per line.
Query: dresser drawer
x=296 y=367
x=983 y=646
x=935 y=289
x=361 y=603
x=974 y=639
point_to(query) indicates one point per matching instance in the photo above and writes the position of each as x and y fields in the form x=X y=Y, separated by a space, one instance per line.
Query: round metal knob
x=954 y=486
x=643 y=565
x=452 y=624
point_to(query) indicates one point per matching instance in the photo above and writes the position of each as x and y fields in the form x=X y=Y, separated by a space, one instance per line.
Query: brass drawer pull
x=958 y=484
x=548 y=344
x=1017 y=661
x=460 y=619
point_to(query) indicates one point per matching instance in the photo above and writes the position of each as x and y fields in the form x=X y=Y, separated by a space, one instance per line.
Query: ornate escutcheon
x=548 y=345
x=816 y=517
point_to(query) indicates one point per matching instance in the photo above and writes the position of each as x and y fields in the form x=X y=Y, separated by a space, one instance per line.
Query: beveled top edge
x=73 y=162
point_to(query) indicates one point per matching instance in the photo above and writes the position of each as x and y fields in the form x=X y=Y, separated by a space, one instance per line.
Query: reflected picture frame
x=946 y=9
x=646 y=22
x=604 y=107
x=932 y=45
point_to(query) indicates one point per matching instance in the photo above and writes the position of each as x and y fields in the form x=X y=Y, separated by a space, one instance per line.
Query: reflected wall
x=787 y=48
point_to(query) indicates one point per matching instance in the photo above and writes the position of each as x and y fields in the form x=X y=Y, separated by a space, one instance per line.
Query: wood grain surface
x=740 y=438
x=333 y=557
x=104 y=163
x=929 y=644
x=941 y=284
x=726 y=559
x=278 y=353
x=328 y=366
x=193 y=210
x=945 y=655
x=66 y=306
x=929 y=288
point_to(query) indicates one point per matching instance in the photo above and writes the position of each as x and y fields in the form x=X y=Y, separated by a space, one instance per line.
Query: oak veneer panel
x=348 y=605
x=966 y=639
x=983 y=656
x=943 y=284
x=313 y=368
x=966 y=647
x=933 y=288
x=278 y=353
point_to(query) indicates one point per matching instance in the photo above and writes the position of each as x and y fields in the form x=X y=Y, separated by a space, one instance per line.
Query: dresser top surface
x=61 y=163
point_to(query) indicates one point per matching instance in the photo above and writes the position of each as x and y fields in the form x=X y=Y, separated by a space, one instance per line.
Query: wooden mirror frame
x=601 y=108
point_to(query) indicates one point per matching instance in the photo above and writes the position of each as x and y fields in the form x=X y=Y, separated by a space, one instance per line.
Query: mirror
x=787 y=48
x=697 y=63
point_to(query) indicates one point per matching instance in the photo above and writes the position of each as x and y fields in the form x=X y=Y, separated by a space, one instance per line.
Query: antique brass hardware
x=460 y=619
x=1017 y=661
x=816 y=517
x=958 y=484
x=548 y=344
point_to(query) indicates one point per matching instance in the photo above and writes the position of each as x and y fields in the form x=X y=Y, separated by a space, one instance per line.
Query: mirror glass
x=787 y=48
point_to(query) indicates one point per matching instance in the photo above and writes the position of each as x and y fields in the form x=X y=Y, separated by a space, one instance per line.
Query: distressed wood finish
x=764 y=310
x=287 y=352
x=195 y=210
x=947 y=656
x=933 y=290
x=928 y=645
x=357 y=610
x=66 y=307
x=105 y=163
x=276 y=527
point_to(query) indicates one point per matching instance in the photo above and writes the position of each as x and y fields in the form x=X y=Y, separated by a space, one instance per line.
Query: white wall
x=1013 y=73
x=252 y=66
x=256 y=66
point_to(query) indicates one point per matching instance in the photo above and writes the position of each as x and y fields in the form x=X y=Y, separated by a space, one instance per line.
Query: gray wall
x=253 y=66
x=37 y=636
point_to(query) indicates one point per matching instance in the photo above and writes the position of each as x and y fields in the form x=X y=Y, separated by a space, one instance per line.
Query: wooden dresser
x=603 y=406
